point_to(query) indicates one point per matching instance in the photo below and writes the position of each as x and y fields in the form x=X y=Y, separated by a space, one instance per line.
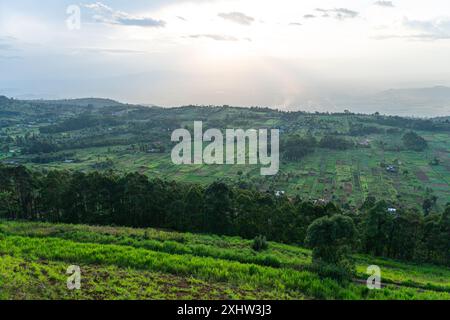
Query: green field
x=120 y=136
x=342 y=176
x=125 y=263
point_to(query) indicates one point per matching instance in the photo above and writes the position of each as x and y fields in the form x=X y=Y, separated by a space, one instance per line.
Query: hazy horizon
x=315 y=55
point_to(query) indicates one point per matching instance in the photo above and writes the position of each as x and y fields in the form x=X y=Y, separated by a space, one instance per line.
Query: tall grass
x=228 y=248
x=206 y=268
x=203 y=246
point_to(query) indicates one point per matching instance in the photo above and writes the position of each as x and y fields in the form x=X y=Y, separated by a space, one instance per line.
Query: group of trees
x=407 y=235
x=137 y=201
x=52 y=157
x=297 y=147
x=409 y=123
x=38 y=145
x=336 y=143
x=48 y=146
x=358 y=129
x=413 y=141
x=82 y=121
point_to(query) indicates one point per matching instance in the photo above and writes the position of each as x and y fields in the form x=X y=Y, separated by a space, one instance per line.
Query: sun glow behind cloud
x=247 y=52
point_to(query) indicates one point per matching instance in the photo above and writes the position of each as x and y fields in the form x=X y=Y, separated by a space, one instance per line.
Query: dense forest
x=135 y=200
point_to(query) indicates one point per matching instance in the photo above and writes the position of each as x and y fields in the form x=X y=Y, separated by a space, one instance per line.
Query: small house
x=391 y=169
x=279 y=193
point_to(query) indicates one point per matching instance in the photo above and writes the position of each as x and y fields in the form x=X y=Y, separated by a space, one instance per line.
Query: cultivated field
x=347 y=176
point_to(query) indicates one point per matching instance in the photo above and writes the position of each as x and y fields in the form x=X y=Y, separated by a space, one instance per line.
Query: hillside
x=126 y=138
x=125 y=263
x=80 y=102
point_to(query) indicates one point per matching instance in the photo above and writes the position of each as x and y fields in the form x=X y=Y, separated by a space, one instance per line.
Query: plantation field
x=347 y=176
x=126 y=263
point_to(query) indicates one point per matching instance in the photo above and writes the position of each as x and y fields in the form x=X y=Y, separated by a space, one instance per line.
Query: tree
x=332 y=239
x=8 y=204
x=427 y=205
x=429 y=202
x=406 y=235
x=176 y=218
x=52 y=189
x=413 y=141
x=444 y=228
x=135 y=201
x=218 y=208
x=377 y=225
x=193 y=208
x=24 y=187
x=431 y=239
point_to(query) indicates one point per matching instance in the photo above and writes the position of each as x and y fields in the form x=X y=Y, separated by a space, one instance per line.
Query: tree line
x=133 y=199
x=296 y=146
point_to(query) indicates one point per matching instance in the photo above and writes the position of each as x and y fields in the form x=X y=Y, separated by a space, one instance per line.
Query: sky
x=277 y=53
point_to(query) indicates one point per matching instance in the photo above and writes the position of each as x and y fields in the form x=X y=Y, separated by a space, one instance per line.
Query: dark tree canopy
x=413 y=141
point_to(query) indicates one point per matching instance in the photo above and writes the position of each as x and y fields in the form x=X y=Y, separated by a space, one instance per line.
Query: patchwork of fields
x=94 y=134
x=125 y=263
x=343 y=176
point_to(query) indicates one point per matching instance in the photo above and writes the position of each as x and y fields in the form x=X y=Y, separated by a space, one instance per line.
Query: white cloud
x=386 y=4
x=338 y=13
x=237 y=17
x=421 y=30
x=106 y=14
x=217 y=37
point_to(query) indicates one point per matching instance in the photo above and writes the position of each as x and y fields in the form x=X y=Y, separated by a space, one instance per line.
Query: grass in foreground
x=125 y=263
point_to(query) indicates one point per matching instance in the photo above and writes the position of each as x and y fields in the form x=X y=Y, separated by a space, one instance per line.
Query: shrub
x=343 y=271
x=260 y=243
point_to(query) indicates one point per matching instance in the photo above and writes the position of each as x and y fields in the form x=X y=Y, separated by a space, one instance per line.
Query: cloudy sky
x=279 y=53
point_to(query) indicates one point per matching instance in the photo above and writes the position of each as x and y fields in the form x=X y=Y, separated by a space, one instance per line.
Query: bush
x=260 y=243
x=271 y=261
x=342 y=272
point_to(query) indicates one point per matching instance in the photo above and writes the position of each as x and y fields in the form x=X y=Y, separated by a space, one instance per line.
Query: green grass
x=42 y=279
x=125 y=263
